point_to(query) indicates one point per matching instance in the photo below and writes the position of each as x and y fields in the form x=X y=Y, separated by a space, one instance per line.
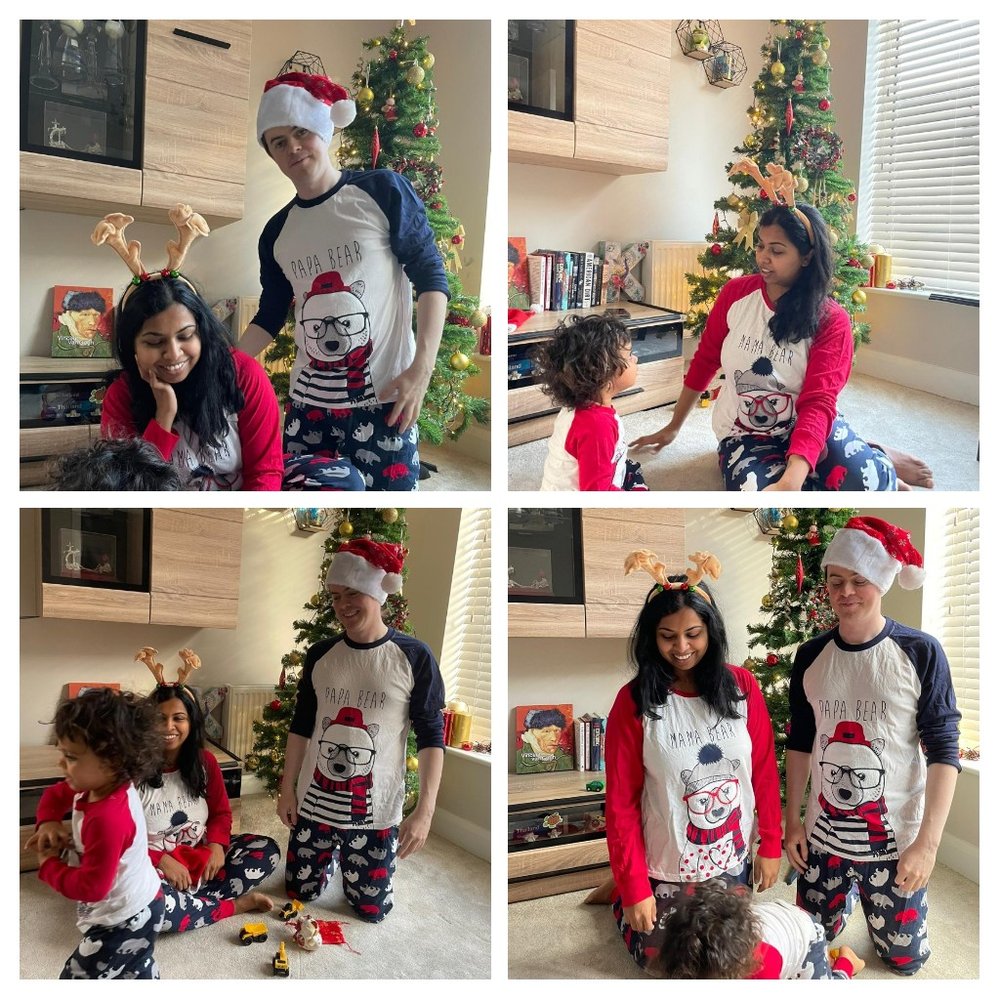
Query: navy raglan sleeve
x=275 y=289
x=410 y=234
x=304 y=717
x=427 y=696
x=937 y=712
x=802 y=724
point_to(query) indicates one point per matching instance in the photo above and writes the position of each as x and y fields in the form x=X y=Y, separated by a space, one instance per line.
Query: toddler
x=107 y=741
x=115 y=464
x=588 y=360
x=715 y=931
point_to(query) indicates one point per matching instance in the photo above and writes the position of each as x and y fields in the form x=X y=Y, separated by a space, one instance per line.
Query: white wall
x=56 y=248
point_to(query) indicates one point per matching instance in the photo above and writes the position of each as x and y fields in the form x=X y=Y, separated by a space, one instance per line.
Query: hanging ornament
x=812 y=535
x=459 y=361
x=852 y=197
x=733 y=201
x=420 y=130
x=748 y=228
x=767 y=602
x=799 y=83
x=772 y=659
x=859 y=297
x=824 y=104
x=715 y=225
x=275 y=705
x=777 y=69
x=389 y=109
x=801 y=184
x=365 y=96
x=427 y=60
x=789 y=522
x=390 y=515
x=414 y=75
x=716 y=249
x=376 y=147
x=478 y=318
x=282 y=679
x=819 y=57
x=800 y=574
x=789 y=117
x=393 y=53
x=345 y=529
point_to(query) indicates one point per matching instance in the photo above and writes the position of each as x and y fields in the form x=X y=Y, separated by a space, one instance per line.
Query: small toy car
x=279 y=964
x=290 y=909
x=253 y=932
x=595 y=786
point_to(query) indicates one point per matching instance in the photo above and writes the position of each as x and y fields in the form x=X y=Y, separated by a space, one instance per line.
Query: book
x=517 y=273
x=596 y=729
x=588 y=281
x=579 y=728
x=543 y=739
x=536 y=280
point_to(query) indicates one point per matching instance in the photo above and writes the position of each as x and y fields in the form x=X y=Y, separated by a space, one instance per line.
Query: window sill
x=475 y=758
x=921 y=293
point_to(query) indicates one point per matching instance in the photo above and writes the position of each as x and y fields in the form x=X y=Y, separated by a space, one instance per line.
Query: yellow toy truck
x=253 y=932
x=279 y=964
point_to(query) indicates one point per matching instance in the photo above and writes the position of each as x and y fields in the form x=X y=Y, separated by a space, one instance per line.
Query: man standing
x=874 y=730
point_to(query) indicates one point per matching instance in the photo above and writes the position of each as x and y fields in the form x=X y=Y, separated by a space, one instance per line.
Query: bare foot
x=910 y=470
x=857 y=962
x=604 y=893
x=253 y=901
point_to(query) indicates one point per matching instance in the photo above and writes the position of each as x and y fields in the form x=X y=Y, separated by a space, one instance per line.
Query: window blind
x=465 y=654
x=919 y=194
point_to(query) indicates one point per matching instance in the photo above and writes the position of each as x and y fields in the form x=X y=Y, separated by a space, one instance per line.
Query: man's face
x=853 y=597
x=358 y=613
x=86 y=322
x=548 y=738
x=299 y=153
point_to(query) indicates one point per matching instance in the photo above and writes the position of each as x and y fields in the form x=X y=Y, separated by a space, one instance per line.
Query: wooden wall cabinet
x=621 y=101
x=195 y=559
x=195 y=120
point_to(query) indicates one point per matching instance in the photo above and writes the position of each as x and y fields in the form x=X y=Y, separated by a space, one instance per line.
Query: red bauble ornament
x=763 y=195
x=456 y=239
x=789 y=117
x=853 y=262
x=275 y=705
x=852 y=197
x=393 y=53
x=824 y=105
x=772 y=659
x=798 y=34
x=376 y=147
x=890 y=284
x=420 y=130
x=716 y=249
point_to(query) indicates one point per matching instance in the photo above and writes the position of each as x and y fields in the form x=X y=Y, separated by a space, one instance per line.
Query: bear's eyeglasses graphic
x=345 y=326
x=703 y=800
x=862 y=777
x=356 y=755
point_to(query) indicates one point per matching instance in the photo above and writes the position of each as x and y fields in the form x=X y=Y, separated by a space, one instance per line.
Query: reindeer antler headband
x=111 y=230
x=779 y=188
x=189 y=658
x=705 y=564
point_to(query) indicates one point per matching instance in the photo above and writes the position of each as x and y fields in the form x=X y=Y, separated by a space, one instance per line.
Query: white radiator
x=663 y=270
x=243 y=704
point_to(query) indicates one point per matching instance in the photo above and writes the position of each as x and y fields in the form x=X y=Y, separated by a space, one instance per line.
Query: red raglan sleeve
x=220 y=814
x=828 y=368
x=107 y=829
x=259 y=426
x=708 y=355
x=56 y=801
x=592 y=439
x=623 y=800
x=117 y=422
x=766 y=787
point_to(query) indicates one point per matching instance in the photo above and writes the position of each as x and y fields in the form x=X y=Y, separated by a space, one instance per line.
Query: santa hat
x=878 y=551
x=369 y=567
x=304 y=100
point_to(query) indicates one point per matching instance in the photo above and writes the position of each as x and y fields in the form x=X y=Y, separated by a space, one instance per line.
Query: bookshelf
x=657 y=339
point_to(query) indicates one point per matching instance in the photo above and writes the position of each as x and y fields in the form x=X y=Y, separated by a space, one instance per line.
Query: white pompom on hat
x=878 y=551
x=369 y=567
x=304 y=100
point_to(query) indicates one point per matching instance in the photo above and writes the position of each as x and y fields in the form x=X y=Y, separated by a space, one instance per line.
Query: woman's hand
x=658 y=440
x=641 y=916
x=163 y=395
x=796 y=470
x=216 y=858
x=175 y=873
x=796 y=848
x=765 y=872
x=51 y=835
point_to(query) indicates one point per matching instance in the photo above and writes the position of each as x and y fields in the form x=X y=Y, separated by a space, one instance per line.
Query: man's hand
x=796 y=848
x=913 y=870
x=408 y=389
x=175 y=873
x=413 y=832
x=765 y=872
x=641 y=916
x=216 y=859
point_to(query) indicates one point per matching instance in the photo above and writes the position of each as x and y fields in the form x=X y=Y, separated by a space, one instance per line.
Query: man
x=874 y=731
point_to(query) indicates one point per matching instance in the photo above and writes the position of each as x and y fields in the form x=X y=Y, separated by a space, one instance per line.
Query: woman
x=690 y=761
x=207 y=407
x=207 y=874
x=786 y=349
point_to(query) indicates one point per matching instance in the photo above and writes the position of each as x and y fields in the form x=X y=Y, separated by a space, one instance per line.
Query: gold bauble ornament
x=345 y=529
x=868 y=261
x=777 y=69
x=859 y=297
x=478 y=318
x=427 y=60
x=825 y=43
x=692 y=318
x=365 y=96
x=749 y=140
x=412 y=763
x=767 y=602
x=819 y=58
x=414 y=75
x=834 y=234
x=459 y=361
x=748 y=663
x=789 y=522
x=801 y=184
x=390 y=515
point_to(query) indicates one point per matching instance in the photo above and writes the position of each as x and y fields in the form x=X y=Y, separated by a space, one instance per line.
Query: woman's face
x=175 y=725
x=168 y=344
x=86 y=321
x=682 y=639
x=547 y=738
x=778 y=259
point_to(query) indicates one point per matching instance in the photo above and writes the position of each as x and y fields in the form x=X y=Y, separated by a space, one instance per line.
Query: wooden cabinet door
x=613 y=599
x=57 y=184
x=527 y=620
x=195 y=567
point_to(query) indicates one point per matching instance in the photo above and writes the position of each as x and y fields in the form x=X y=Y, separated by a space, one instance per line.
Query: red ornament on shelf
x=716 y=249
x=890 y=284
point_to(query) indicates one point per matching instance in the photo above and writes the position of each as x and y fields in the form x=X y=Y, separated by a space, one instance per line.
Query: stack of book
x=589 y=740
x=567 y=279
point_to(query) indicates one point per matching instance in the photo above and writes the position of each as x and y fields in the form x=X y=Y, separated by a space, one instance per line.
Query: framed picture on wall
x=543 y=738
x=76 y=688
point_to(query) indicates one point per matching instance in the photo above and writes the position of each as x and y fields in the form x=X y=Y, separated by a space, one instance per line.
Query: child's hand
x=163 y=395
x=288 y=807
x=49 y=835
x=48 y=852
x=641 y=916
x=215 y=861
x=175 y=873
x=658 y=440
x=765 y=872
x=857 y=963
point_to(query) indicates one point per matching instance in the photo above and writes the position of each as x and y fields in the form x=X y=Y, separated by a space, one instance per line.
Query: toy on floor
x=279 y=964
x=253 y=932
x=290 y=908
x=309 y=933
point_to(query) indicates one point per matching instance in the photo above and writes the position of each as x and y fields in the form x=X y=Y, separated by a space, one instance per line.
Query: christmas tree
x=797 y=605
x=396 y=129
x=791 y=122
x=267 y=758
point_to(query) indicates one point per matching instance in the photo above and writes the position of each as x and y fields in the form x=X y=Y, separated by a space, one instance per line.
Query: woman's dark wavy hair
x=713 y=680
x=189 y=760
x=581 y=358
x=118 y=726
x=209 y=394
x=798 y=313
x=711 y=933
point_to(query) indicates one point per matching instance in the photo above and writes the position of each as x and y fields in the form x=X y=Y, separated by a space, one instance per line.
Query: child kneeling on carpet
x=716 y=931
x=107 y=741
x=588 y=361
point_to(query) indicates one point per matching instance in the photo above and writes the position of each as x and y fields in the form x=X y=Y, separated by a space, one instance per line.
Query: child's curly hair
x=711 y=934
x=582 y=357
x=122 y=728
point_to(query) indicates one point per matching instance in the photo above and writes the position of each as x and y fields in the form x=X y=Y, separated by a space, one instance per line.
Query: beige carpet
x=941 y=431
x=455 y=470
x=439 y=927
x=558 y=937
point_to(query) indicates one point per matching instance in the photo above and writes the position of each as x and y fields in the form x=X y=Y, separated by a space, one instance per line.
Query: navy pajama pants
x=348 y=449
x=897 y=922
x=249 y=860
x=633 y=476
x=644 y=947
x=753 y=461
x=122 y=951
x=367 y=861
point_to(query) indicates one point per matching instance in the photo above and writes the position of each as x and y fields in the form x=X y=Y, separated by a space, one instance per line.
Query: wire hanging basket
x=725 y=66
x=697 y=37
